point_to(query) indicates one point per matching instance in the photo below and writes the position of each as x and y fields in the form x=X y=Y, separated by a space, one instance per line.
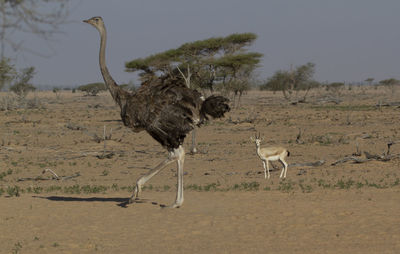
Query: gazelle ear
x=252 y=139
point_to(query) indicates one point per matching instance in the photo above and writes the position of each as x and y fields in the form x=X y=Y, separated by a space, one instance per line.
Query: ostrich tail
x=215 y=106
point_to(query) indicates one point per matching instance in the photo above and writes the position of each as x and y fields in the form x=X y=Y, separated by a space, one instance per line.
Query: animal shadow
x=121 y=202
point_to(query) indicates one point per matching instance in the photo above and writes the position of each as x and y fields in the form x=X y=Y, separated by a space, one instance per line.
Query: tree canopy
x=202 y=63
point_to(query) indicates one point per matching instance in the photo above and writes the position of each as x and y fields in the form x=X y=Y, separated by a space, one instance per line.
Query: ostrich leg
x=193 y=149
x=142 y=180
x=177 y=155
x=180 y=158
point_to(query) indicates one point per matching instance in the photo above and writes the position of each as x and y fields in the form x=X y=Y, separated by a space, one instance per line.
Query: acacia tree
x=22 y=86
x=369 y=81
x=335 y=90
x=200 y=63
x=7 y=72
x=294 y=84
x=390 y=84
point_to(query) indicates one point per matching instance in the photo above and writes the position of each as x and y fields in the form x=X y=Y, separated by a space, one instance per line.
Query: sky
x=348 y=40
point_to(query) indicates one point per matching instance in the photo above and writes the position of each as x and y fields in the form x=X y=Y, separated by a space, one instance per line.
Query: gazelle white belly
x=273 y=158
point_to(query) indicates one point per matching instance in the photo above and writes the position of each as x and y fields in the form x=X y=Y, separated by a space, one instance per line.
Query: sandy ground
x=229 y=207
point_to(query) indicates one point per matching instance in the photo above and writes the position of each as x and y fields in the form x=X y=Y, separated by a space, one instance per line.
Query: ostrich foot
x=174 y=205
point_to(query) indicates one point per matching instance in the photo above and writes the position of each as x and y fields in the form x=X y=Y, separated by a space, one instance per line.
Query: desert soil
x=229 y=207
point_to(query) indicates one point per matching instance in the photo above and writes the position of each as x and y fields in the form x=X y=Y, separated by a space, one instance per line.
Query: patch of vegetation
x=323 y=140
x=5 y=173
x=341 y=184
x=17 y=248
x=13 y=191
x=115 y=187
x=194 y=187
x=306 y=188
x=344 y=107
x=323 y=184
x=211 y=187
x=36 y=190
x=252 y=186
x=53 y=188
x=75 y=189
x=286 y=186
x=147 y=187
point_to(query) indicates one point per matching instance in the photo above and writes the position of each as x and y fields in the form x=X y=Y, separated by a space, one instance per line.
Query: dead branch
x=96 y=138
x=352 y=158
x=51 y=171
x=358 y=151
x=106 y=155
x=55 y=177
x=388 y=104
x=62 y=178
x=329 y=99
x=74 y=127
x=308 y=164
x=383 y=157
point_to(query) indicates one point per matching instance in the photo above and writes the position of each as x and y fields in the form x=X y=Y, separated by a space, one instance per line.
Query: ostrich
x=165 y=108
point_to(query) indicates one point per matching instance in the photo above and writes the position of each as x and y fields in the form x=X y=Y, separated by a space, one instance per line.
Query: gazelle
x=267 y=154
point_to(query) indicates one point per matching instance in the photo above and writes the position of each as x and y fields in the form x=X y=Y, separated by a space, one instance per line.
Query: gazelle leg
x=142 y=180
x=285 y=167
x=265 y=170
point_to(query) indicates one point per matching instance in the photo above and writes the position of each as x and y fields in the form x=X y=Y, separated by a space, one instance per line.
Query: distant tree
x=335 y=89
x=22 y=86
x=294 y=84
x=7 y=72
x=57 y=92
x=369 y=81
x=92 y=89
x=391 y=84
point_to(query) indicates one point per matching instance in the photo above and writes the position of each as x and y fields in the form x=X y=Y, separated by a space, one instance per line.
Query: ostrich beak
x=86 y=21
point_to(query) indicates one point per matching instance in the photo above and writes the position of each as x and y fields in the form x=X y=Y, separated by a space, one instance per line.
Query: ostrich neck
x=119 y=95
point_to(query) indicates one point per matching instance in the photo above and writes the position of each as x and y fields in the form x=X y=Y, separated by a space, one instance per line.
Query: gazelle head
x=257 y=139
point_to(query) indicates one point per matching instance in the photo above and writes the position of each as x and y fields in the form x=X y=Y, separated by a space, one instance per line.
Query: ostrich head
x=97 y=22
